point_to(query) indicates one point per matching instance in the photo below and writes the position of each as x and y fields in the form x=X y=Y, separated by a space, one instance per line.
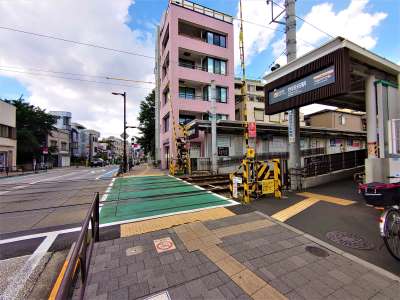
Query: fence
x=324 y=164
x=82 y=252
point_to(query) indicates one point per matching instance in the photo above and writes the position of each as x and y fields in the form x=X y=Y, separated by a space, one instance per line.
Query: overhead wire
x=75 y=74
x=74 y=79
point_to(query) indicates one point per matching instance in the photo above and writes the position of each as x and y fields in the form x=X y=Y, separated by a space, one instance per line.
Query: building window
x=8 y=132
x=221 y=94
x=53 y=143
x=184 y=119
x=251 y=87
x=186 y=92
x=166 y=123
x=63 y=146
x=213 y=65
x=259 y=114
x=216 y=39
x=165 y=95
x=342 y=120
x=237 y=114
x=219 y=117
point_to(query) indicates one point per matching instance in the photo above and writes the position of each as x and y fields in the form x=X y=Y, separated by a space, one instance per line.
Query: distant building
x=84 y=142
x=59 y=142
x=342 y=119
x=256 y=104
x=8 y=135
x=115 y=147
x=89 y=139
x=196 y=47
x=76 y=130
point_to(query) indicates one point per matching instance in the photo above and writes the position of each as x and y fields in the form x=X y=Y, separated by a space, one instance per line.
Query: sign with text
x=252 y=129
x=308 y=83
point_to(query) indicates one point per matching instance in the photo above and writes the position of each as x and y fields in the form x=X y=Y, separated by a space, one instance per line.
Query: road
x=57 y=199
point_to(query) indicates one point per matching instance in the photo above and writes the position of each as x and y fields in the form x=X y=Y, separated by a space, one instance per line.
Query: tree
x=147 y=127
x=33 y=127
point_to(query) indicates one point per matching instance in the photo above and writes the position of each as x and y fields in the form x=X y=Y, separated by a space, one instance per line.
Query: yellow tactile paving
x=237 y=229
x=293 y=210
x=170 y=221
x=326 y=198
x=196 y=236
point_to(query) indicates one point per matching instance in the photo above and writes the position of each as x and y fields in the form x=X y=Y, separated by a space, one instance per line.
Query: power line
x=75 y=42
x=75 y=74
x=300 y=18
x=270 y=65
x=74 y=79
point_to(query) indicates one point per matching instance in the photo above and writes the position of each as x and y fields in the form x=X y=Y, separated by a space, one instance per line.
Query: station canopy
x=333 y=74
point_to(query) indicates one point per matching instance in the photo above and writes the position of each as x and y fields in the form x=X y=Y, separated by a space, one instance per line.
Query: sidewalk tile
x=248 y=281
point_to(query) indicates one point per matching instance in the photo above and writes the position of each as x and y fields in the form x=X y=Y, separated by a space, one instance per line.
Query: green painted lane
x=139 y=197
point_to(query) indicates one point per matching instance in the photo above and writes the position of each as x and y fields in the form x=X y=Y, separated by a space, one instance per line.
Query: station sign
x=324 y=78
x=306 y=84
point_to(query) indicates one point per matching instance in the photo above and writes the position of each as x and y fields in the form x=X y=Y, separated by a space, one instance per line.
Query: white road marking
x=20 y=279
x=52 y=178
x=112 y=171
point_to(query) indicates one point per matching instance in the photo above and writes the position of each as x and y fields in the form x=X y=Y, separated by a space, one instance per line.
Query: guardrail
x=324 y=164
x=82 y=253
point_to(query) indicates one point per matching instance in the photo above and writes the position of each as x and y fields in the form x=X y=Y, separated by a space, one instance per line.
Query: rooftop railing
x=203 y=10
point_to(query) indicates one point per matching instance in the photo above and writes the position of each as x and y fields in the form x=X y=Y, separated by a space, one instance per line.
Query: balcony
x=197 y=61
x=201 y=34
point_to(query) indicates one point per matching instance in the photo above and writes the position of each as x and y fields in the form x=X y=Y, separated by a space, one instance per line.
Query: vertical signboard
x=252 y=129
x=291 y=133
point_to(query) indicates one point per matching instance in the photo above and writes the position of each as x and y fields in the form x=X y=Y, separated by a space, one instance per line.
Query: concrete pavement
x=247 y=256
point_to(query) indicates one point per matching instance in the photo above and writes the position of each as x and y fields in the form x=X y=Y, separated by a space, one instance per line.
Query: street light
x=125 y=168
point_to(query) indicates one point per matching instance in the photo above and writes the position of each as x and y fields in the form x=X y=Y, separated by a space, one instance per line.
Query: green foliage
x=146 y=119
x=33 y=127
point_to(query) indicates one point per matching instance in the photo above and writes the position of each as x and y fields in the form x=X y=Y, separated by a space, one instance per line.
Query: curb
x=334 y=249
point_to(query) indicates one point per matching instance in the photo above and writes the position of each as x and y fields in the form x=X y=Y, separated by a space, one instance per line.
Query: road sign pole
x=125 y=157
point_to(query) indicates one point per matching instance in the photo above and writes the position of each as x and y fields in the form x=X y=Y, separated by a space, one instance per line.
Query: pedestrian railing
x=81 y=253
x=324 y=164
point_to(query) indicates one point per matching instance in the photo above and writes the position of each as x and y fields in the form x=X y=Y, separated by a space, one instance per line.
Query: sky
x=58 y=75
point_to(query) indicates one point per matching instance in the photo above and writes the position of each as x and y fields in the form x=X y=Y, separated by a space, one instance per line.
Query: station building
x=340 y=73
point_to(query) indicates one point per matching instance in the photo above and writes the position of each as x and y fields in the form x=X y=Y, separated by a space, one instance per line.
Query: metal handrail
x=82 y=252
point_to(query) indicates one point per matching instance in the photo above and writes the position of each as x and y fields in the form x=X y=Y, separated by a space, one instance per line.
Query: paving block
x=138 y=290
x=196 y=288
x=215 y=253
x=340 y=276
x=268 y=292
x=230 y=266
x=120 y=294
x=179 y=293
x=248 y=281
x=157 y=284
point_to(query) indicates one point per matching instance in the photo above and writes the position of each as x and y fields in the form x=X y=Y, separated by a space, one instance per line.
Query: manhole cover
x=349 y=240
x=134 y=250
x=317 y=251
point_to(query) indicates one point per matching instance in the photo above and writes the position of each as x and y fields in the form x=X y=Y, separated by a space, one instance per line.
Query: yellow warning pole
x=172 y=163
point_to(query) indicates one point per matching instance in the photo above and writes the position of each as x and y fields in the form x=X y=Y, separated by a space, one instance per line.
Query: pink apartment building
x=195 y=47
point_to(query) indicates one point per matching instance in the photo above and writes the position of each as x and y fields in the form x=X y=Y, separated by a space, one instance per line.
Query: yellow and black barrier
x=257 y=179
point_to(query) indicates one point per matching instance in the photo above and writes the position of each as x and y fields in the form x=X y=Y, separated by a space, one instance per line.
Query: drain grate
x=317 y=251
x=349 y=240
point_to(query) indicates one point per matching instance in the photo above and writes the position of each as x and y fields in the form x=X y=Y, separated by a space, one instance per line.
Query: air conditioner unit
x=394 y=136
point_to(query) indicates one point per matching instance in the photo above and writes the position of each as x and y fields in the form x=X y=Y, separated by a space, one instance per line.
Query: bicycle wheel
x=392 y=233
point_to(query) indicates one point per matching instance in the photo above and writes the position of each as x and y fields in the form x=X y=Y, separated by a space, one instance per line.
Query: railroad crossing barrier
x=258 y=178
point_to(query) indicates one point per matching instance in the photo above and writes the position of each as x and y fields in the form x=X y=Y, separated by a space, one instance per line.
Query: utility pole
x=125 y=156
x=125 y=163
x=294 y=114
x=213 y=128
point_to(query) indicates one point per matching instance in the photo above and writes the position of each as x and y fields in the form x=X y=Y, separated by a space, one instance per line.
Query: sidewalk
x=247 y=256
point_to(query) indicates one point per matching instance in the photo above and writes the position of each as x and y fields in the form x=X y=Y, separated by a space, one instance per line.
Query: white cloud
x=99 y=22
x=352 y=23
x=256 y=38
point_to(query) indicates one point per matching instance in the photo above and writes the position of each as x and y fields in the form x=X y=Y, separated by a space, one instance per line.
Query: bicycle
x=386 y=195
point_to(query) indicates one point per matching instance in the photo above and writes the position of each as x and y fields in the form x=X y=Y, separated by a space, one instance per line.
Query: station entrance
x=345 y=75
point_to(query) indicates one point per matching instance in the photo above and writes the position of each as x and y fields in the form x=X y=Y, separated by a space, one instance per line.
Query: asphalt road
x=54 y=200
